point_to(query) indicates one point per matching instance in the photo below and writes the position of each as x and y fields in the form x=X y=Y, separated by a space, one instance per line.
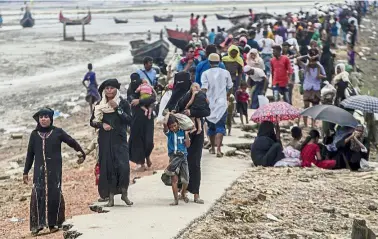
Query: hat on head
x=44 y=111
x=214 y=57
x=110 y=82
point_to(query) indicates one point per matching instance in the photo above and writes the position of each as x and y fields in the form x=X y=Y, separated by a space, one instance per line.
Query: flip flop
x=199 y=201
x=220 y=155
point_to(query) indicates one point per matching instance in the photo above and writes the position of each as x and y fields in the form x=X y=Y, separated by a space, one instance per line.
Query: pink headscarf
x=243 y=39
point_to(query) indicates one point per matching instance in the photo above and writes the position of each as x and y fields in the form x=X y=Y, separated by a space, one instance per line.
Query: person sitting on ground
x=357 y=149
x=242 y=99
x=197 y=101
x=292 y=150
x=178 y=141
x=146 y=91
x=296 y=134
x=267 y=148
x=310 y=152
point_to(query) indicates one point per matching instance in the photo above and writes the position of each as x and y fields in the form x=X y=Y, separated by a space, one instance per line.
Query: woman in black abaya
x=180 y=97
x=266 y=150
x=141 y=142
x=44 y=151
x=112 y=143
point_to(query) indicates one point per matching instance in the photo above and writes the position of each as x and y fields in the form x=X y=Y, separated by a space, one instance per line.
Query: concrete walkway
x=151 y=217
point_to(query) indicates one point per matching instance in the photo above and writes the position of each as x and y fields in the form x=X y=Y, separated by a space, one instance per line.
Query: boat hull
x=158 y=49
x=179 y=39
x=119 y=21
x=69 y=22
x=221 y=17
x=163 y=19
x=27 y=22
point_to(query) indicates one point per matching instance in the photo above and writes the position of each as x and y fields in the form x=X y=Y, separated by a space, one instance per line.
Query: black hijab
x=267 y=129
x=110 y=82
x=326 y=55
x=42 y=112
x=135 y=82
x=181 y=86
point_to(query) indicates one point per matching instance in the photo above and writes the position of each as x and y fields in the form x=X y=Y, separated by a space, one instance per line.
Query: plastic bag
x=184 y=121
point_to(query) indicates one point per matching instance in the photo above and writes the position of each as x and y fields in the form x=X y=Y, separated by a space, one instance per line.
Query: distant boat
x=179 y=39
x=27 y=20
x=1 y=20
x=85 y=20
x=163 y=19
x=158 y=49
x=117 y=21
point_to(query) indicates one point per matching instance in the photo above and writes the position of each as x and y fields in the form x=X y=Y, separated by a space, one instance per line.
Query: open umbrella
x=275 y=112
x=365 y=103
x=331 y=113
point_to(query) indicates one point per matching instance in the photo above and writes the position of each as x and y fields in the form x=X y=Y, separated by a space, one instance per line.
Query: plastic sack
x=184 y=121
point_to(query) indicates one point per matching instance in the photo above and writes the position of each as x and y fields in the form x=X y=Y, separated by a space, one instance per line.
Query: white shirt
x=267 y=49
x=217 y=82
x=294 y=43
x=355 y=22
x=258 y=74
x=278 y=39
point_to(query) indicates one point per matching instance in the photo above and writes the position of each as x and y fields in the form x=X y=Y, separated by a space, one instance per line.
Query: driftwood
x=361 y=231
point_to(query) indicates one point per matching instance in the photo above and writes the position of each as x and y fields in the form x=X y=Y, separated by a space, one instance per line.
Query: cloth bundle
x=184 y=121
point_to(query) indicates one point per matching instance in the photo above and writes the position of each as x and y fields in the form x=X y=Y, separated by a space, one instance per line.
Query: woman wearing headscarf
x=112 y=142
x=349 y=147
x=47 y=208
x=266 y=150
x=234 y=64
x=342 y=84
x=141 y=141
x=327 y=61
x=181 y=95
x=254 y=59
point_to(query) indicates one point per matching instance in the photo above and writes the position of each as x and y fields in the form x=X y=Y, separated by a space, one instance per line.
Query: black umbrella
x=331 y=113
x=365 y=103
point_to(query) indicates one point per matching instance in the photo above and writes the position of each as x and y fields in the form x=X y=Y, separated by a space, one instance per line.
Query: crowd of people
x=219 y=77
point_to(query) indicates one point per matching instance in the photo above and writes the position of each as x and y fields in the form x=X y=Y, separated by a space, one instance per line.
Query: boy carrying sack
x=178 y=141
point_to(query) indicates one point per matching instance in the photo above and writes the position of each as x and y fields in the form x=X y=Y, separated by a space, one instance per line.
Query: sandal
x=199 y=201
x=53 y=229
x=220 y=155
x=35 y=232
x=212 y=151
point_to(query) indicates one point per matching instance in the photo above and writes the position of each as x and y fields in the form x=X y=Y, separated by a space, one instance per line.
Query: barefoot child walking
x=178 y=141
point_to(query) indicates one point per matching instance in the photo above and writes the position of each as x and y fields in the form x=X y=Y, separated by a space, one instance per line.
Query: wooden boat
x=85 y=20
x=163 y=19
x=27 y=20
x=221 y=17
x=137 y=43
x=118 y=21
x=238 y=19
x=158 y=49
x=179 y=39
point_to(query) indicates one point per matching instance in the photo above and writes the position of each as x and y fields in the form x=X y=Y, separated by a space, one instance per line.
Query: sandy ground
x=79 y=187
